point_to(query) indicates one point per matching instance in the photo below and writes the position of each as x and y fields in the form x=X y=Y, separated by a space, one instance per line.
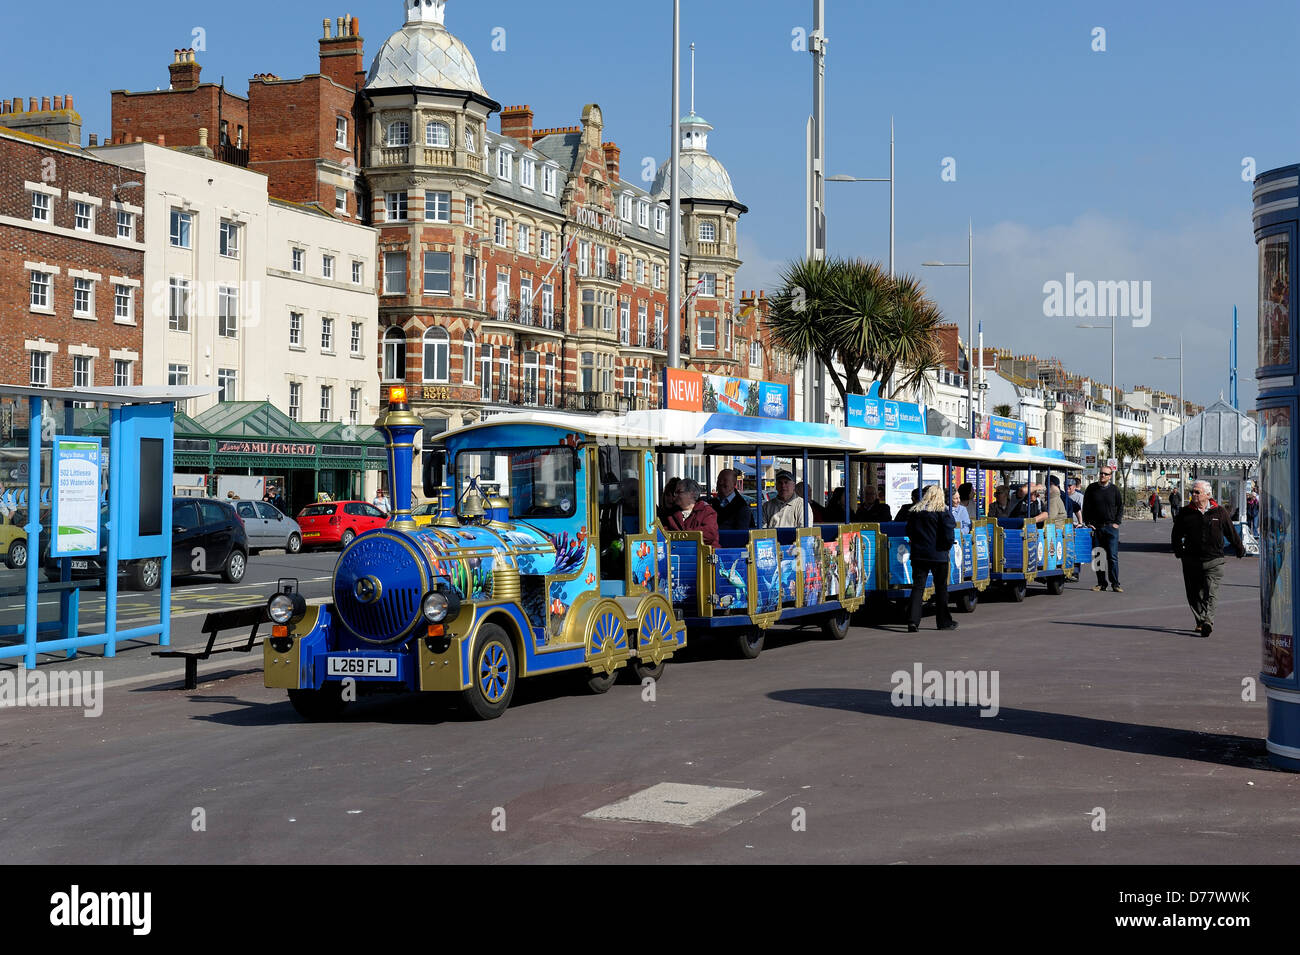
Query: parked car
x=425 y=514
x=267 y=527
x=208 y=537
x=13 y=539
x=335 y=523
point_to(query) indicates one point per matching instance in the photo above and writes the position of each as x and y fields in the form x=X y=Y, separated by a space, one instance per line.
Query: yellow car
x=424 y=514
x=13 y=540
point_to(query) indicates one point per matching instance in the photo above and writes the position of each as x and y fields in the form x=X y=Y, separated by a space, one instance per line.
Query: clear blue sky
x=1116 y=165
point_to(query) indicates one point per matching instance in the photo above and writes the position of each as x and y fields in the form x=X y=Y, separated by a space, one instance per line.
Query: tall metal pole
x=675 y=208
x=970 y=296
x=891 y=197
x=1180 y=407
x=816 y=244
x=1114 y=451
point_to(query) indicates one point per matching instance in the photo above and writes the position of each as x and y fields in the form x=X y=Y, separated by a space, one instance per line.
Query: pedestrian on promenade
x=1197 y=540
x=381 y=501
x=1103 y=511
x=931 y=534
x=1175 y=502
x=1252 y=512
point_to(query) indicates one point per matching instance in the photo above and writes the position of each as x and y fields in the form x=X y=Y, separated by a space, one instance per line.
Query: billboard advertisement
x=720 y=394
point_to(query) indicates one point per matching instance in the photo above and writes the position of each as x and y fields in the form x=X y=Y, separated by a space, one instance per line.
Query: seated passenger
x=692 y=514
x=960 y=516
x=1000 y=506
x=873 y=509
x=835 y=506
x=667 y=503
x=784 y=510
x=734 y=513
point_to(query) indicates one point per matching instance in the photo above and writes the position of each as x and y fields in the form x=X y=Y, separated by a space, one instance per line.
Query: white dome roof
x=702 y=176
x=423 y=53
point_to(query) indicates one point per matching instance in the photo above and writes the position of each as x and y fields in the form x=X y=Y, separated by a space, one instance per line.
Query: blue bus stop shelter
x=137 y=521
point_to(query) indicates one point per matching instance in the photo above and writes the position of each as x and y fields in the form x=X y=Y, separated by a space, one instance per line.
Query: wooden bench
x=213 y=624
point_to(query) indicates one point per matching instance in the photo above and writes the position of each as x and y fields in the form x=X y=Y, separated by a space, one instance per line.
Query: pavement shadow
x=1223 y=749
x=1176 y=631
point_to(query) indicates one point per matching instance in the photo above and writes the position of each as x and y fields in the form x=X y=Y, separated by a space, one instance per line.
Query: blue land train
x=547 y=555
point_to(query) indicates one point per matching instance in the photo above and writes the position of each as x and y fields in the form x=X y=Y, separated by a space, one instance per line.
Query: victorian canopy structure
x=1219 y=437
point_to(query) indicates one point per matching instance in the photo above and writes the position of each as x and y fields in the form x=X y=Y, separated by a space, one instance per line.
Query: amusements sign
x=692 y=391
x=76 y=496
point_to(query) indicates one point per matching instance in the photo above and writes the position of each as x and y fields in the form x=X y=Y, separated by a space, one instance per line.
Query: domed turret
x=702 y=176
x=423 y=53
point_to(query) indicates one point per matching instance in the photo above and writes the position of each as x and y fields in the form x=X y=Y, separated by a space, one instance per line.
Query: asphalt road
x=1110 y=713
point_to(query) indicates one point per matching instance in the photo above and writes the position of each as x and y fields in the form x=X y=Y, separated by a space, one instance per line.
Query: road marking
x=679 y=804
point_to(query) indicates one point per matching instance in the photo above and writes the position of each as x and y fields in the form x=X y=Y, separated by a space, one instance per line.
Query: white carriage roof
x=721 y=433
x=1220 y=435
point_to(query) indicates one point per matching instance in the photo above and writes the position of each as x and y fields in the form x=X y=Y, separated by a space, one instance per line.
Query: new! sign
x=683 y=390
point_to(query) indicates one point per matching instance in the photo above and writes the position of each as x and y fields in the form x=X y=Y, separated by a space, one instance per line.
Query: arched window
x=467 y=358
x=399 y=133
x=437 y=346
x=394 y=355
x=437 y=134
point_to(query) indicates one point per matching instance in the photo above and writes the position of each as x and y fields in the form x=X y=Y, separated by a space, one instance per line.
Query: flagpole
x=675 y=208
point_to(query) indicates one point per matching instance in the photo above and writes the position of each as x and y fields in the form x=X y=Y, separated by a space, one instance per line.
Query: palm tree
x=1002 y=411
x=854 y=313
x=1131 y=449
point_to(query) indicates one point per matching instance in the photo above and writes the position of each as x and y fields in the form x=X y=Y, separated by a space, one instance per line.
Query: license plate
x=311 y=534
x=362 y=666
x=81 y=565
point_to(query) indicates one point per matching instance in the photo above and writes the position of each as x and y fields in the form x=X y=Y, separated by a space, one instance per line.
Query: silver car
x=266 y=527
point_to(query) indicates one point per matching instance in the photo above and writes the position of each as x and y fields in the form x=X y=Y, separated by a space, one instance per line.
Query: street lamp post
x=889 y=180
x=1179 y=359
x=1114 y=452
x=969 y=266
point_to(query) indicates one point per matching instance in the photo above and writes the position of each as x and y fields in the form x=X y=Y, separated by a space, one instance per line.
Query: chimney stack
x=94 y=139
x=611 y=161
x=340 y=55
x=517 y=123
x=184 y=70
x=49 y=120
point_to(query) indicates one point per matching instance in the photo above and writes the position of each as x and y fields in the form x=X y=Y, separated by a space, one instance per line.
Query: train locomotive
x=479 y=599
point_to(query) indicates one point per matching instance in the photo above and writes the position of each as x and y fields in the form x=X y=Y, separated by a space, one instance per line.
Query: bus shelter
x=85 y=496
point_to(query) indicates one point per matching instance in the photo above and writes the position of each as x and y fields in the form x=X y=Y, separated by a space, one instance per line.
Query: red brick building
x=71 y=263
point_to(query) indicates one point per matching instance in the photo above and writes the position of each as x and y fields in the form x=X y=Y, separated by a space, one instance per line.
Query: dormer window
x=399 y=134
x=437 y=134
x=505 y=165
x=661 y=219
x=643 y=214
x=527 y=173
x=625 y=208
x=548 y=180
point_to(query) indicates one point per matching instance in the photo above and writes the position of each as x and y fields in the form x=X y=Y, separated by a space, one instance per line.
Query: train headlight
x=439 y=605
x=284 y=609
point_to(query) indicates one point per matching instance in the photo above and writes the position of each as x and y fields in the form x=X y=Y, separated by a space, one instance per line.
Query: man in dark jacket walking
x=1197 y=538
x=1103 y=511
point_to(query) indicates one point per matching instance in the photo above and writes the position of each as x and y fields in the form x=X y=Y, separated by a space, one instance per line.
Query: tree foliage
x=851 y=312
x=1131 y=449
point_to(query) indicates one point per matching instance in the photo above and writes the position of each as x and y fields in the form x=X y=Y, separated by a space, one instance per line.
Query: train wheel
x=1055 y=585
x=598 y=683
x=967 y=600
x=321 y=705
x=1016 y=591
x=836 y=626
x=640 y=671
x=749 y=642
x=493 y=672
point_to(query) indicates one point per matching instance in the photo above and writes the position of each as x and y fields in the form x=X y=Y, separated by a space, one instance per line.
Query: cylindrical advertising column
x=1277 y=215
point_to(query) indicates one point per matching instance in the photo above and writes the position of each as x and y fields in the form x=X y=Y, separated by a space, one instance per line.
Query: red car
x=335 y=523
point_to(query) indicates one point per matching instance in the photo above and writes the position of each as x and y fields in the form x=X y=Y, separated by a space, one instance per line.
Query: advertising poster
x=812 y=569
x=864 y=411
x=732 y=586
x=900 y=562
x=980 y=536
x=1005 y=429
x=720 y=394
x=864 y=563
x=767 y=574
x=1275 y=475
x=76 y=496
x=1274 y=300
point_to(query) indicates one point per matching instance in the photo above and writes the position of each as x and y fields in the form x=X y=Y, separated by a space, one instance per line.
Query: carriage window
x=542 y=481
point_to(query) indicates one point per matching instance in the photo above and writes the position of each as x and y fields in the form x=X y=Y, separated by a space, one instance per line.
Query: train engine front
x=404 y=600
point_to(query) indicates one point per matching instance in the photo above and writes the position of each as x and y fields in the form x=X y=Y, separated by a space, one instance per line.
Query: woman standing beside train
x=931 y=534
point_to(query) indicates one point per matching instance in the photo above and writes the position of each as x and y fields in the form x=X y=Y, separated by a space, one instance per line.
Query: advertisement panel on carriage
x=721 y=394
